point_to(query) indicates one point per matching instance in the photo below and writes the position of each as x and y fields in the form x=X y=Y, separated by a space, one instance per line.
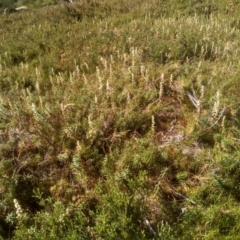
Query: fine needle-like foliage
x=119 y=120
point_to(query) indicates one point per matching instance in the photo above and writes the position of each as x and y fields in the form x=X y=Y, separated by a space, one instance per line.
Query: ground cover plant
x=120 y=120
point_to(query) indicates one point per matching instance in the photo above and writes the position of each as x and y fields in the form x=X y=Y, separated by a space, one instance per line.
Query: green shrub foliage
x=119 y=120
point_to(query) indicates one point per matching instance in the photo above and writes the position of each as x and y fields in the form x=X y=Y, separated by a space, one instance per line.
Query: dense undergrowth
x=120 y=120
